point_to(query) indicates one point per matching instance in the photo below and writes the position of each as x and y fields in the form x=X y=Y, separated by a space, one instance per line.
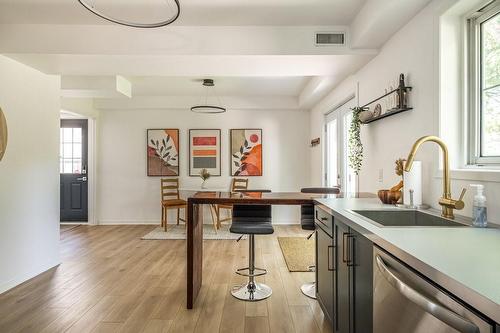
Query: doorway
x=337 y=170
x=73 y=159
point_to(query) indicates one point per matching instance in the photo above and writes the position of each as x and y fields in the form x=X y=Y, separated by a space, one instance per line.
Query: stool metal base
x=252 y=292
x=309 y=289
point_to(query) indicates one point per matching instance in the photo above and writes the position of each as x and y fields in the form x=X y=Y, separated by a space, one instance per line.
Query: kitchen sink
x=406 y=218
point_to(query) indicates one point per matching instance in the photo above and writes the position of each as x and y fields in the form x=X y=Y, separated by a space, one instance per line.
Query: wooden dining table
x=195 y=223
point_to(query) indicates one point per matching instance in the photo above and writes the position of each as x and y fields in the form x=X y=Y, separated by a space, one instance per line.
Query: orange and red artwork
x=204 y=151
x=163 y=152
x=246 y=152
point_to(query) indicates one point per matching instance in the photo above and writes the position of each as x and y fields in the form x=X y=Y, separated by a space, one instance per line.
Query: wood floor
x=112 y=281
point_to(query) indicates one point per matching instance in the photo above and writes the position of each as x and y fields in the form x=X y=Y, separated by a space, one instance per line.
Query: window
x=484 y=85
x=70 y=159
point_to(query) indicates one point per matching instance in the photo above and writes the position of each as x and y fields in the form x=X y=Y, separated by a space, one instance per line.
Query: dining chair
x=237 y=184
x=170 y=199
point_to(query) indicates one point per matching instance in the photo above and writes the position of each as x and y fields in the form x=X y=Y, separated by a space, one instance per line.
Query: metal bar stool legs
x=251 y=291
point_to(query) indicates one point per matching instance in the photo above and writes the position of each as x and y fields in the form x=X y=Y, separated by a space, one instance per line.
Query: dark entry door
x=73 y=169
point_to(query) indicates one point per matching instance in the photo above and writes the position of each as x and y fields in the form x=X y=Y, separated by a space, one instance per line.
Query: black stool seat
x=252 y=226
x=307 y=217
x=252 y=219
x=321 y=190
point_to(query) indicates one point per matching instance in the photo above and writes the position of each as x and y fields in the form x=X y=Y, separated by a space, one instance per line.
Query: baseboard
x=125 y=222
x=17 y=280
x=157 y=222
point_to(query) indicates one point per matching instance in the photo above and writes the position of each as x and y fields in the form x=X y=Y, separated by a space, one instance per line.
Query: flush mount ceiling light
x=204 y=106
x=167 y=15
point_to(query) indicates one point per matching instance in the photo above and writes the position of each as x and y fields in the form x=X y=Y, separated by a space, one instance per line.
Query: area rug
x=179 y=232
x=298 y=252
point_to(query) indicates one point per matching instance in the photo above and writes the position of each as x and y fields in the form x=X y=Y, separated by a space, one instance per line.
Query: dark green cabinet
x=361 y=279
x=324 y=271
x=351 y=277
x=342 y=302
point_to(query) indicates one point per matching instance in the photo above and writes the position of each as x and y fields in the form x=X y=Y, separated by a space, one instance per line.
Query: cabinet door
x=361 y=283
x=342 y=321
x=324 y=272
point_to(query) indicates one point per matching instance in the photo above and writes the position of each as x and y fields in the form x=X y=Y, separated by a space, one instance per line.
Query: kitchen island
x=464 y=261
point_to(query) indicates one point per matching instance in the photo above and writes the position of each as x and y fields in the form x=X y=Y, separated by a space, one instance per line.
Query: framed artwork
x=204 y=151
x=163 y=152
x=246 y=152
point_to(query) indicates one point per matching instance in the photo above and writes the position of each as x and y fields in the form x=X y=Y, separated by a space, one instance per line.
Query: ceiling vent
x=330 y=38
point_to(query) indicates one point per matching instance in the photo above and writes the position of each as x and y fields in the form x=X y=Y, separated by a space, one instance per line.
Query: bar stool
x=251 y=220
x=307 y=223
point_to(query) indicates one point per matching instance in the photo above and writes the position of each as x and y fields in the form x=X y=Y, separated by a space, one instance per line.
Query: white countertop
x=464 y=260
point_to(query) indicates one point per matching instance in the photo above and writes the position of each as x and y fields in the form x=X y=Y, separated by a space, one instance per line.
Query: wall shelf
x=401 y=92
x=388 y=113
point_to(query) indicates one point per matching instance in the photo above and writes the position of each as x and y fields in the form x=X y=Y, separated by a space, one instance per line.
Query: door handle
x=82 y=179
x=330 y=250
x=345 y=236
x=435 y=309
x=350 y=252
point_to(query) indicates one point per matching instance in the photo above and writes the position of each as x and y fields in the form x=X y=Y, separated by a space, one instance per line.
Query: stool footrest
x=262 y=272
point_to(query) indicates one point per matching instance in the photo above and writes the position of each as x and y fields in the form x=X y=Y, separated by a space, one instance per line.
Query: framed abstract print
x=204 y=151
x=163 y=152
x=246 y=152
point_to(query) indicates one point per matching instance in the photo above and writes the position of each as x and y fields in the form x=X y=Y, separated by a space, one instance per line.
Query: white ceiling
x=251 y=48
x=193 y=12
x=186 y=86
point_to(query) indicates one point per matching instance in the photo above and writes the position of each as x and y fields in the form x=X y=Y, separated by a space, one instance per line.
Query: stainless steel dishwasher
x=404 y=302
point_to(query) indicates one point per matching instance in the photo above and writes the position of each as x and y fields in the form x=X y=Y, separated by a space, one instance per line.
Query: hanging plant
x=355 y=145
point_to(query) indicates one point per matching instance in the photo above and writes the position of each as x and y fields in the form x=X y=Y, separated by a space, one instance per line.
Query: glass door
x=73 y=170
x=337 y=170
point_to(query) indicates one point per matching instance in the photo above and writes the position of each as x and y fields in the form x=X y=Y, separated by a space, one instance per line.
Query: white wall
x=29 y=173
x=413 y=50
x=127 y=195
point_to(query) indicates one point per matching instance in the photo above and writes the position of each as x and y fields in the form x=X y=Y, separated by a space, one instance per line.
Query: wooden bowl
x=389 y=197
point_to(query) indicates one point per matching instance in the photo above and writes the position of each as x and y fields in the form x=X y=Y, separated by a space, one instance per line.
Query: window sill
x=482 y=174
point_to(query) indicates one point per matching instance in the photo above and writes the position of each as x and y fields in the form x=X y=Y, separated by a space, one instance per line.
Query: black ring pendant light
x=208 y=109
x=205 y=107
x=92 y=9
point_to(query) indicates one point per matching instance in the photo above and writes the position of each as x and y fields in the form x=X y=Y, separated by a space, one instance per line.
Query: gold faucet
x=447 y=203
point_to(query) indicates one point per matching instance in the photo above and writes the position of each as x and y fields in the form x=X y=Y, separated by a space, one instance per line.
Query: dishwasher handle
x=440 y=312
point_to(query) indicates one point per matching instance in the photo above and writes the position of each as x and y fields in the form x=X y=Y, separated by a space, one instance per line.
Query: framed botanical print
x=204 y=151
x=163 y=152
x=246 y=152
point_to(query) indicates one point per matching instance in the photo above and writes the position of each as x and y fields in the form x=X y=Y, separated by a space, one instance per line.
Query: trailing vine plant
x=355 y=144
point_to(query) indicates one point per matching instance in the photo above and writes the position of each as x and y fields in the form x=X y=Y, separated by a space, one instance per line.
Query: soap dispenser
x=479 y=218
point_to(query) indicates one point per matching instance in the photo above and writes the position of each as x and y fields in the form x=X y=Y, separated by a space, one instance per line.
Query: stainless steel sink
x=406 y=218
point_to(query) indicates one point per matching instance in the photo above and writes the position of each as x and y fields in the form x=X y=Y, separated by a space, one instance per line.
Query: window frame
x=474 y=84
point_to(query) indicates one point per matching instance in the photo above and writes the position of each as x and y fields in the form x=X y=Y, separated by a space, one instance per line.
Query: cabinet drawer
x=324 y=220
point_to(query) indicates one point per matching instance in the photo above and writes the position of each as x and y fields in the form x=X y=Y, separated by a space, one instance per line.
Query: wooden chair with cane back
x=170 y=199
x=237 y=184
